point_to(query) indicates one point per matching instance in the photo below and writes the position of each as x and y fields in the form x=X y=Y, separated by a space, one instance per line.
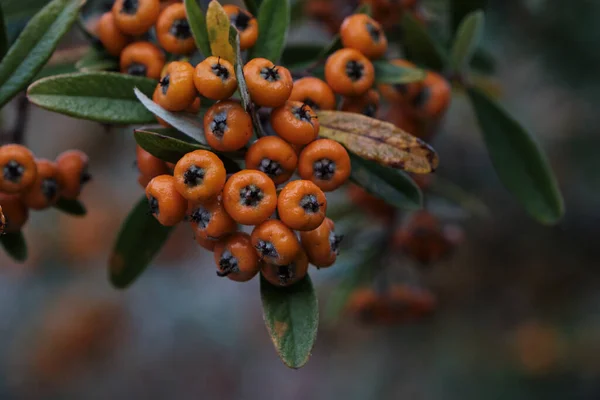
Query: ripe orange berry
x=302 y=205
x=326 y=163
x=367 y=104
x=208 y=244
x=363 y=303
x=210 y=221
x=250 y=197
x=165 y=202
x=408 y=303
x=268 y=85
x=273 y=156
x=215 y=78
x=275 y=242
x=322 y=244
x=227 y=126
x=148 y=165
x=245 y=23
x=286 y=275
x=422 y=238
x=313 y=92
x=236 y=258
x=433 y=98
x=18 y=168
x=401 y=92
x=176 y=90
x=45 y=190
x=295 y=122
x=135 y=17
x=15 y=212
x=173 y=30
x=349 y=73
x=142 y=59
x=112 y=39
x=199 y=176
x=73 y=173
x=363 y=33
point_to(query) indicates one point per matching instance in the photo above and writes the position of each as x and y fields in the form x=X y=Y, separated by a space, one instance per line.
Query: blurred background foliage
x=518 y=303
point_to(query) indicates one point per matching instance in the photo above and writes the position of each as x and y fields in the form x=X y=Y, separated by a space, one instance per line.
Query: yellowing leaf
x=217 y=24
x=379 y=141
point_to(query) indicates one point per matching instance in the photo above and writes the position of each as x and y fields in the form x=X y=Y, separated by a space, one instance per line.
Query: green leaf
x=197 y=21
x=140 y=238
x=72 y=207
x=161 y=143
x=466 y=41
x=420 y=46
x=386 y=72
x=460 y=8
x=3 y=38
x=20 y=9
x=483 y=61
x=219 y=32
x=391 y=185
x=300 y=55
x=15 y=245
x=252 y=6
x=292 y=317
x=99 y=96
x=34 y=46
x=58 y=69
x=519 y=162
x=273 y=21
x=186 y=123
x=96 y=60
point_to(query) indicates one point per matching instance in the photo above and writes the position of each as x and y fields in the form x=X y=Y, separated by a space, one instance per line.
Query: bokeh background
x=518 y=313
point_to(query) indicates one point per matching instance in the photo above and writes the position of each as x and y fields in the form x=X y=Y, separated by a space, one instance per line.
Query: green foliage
x=253 y=6
x=140 y=238
x=420 y=47
x=518 y=160
x=100 y=96
x=15 y=245
x=71 y=207
x=197 y=22
x=273 y=21
x=35 y=45
x=96 y=60
x=3 y=38
x=386 y=72
x=292 y=318
x=460 y=8
x=392 y=186
x=466 y=41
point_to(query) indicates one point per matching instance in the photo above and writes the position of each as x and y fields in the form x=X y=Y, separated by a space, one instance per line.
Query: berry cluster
x=30 y=183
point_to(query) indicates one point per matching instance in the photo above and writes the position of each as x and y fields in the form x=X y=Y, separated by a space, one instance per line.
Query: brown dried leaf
x=379 y=141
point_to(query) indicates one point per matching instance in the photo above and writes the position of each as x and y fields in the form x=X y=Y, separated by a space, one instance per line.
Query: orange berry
x=73 y=173
x=135 y=17
x=45 y=191
x=18 y=168
x=321 y=244
x=165 y=202
x=349 y=73
x=286 y=275
x=313 y=92
x=302 y=205
x=275 y=242
x=173 y=30
x=250 y=197
x=112 y=39
x=268 y=85
x=367 y=104
x=363 y=33
x=176 y=90
x=326 y=163
x=245 y=23
x=236 y=258
x=215 y=78
x=295 y=122
x=210 y=220
x=227 y=126
x=273 y=156
x=15 y=212
x=142 y=59
x=199 y=176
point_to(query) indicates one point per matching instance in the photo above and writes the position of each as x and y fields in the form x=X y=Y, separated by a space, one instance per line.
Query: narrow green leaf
x=186 y=123
x=386 y=72
x=21 y=9
x=197 y=21
x=15 y=246
x=466 y=41
x=483 y=61
x=252 y=6
x=96 y=60
x=391 y=185
x=300 y=55
x=170 y=149
x=291 y=315
x=35 y=45
x=460 y=8
x=99 y=96
x=420 y=47
x=140 y=238
x=58 y=69
x=3 y=38
x=273 y=21
x=519 y=162
x=72 y=207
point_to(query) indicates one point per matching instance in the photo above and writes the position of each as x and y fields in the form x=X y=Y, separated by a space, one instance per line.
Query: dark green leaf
x=73 y=207
x=295 y=55
x=253 y=6
x=97 y=60
x=519 y=162
x=420 y=47
x=273 y=21
x=21 y=9
x=483 y=61
x=3 y=38
x=460 y=8
x=466 y=40
x=186 y=123
x=386 y=72
x=99 y=96
x=161 y=143
x=197 y=21
x=292 y=317
x=140 y=238
x=34 y=46
x=15 y=245
x=58 y=69
x=391 y=185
